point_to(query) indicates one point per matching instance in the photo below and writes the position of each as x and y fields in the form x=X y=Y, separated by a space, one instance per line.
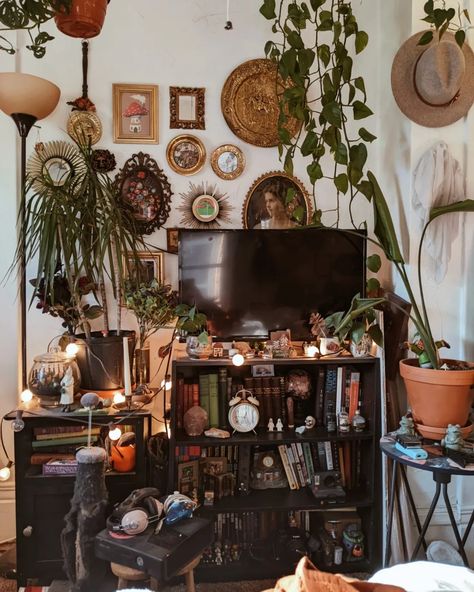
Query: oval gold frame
x=218 y=152
x=172 y=146
x=267 y=176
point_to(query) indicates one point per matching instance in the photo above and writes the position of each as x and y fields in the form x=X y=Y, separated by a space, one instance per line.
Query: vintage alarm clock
x=243 y=413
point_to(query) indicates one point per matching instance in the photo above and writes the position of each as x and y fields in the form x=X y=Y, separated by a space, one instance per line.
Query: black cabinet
x=250 y=523
x=43 y=500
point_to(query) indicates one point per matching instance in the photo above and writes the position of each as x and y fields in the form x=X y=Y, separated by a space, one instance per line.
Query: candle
x=126 y=369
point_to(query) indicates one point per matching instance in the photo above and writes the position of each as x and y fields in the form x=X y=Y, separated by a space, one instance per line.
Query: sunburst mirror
x=53 y=164
x=204 y=206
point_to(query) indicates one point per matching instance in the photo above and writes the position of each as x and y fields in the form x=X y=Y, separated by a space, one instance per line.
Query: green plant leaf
x=366 y=136
x=305 y=60
x=376 y=334
x=324 y=54
x=466 y=205
x=268 y=9
x=332 y=114
x=346 y=68
x=374 y=263
x=314 y=172
x=426 y=38
x=294 y=39
x=366 y=189
x=460 y=37
x=361 y=111
x=372 y=286
x=360 y=85
x=340 y=154
x=357 y=331
x=290 y=195
x=309 y=143
x=342 y=182
x=361 y=41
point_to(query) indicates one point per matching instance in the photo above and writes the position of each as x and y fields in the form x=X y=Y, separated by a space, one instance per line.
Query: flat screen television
x=251 y=282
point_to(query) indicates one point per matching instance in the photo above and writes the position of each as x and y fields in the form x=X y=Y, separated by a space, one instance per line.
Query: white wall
x=184 y=44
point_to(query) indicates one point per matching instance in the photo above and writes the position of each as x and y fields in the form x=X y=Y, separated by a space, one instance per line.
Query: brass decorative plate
x=186 y=154
x=83 y=125
x=249 y=103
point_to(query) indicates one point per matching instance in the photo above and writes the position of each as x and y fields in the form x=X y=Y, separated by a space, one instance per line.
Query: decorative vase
x=48 y=374
x=437 y=397
x=84 y=18
x=142 y=365
x=329 y=346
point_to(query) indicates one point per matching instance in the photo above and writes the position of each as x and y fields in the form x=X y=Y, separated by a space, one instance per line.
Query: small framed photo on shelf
x=188 y=477
x=150 y=267
x=172 y=238
x=214 y=465
x=135 y=113
x=263 y=370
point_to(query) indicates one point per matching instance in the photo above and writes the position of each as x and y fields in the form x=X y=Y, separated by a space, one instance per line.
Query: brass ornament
x=228 y=162
x=84 y=126
x=254 y=200
x=186 y=154
x=249 y=103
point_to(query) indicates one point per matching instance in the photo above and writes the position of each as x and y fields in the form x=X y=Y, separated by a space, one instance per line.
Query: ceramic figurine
x=407 y=426
x=343 y=423
x=279 y=425
x=67 y=390
x=271 y=425
x=309 y=422
x=453 y=438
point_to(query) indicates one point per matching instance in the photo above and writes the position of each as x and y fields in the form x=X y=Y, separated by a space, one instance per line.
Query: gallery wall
x=185 y=44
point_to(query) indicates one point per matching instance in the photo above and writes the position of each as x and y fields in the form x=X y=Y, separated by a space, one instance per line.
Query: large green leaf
x=466 y=205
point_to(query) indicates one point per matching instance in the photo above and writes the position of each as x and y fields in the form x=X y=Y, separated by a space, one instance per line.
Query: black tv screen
x=251 y=282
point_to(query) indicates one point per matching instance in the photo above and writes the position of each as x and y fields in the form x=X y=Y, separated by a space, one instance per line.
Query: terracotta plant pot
x=437 y=397
x=84 y=20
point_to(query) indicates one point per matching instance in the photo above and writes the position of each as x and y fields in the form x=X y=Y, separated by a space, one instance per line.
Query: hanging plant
x=441 y=18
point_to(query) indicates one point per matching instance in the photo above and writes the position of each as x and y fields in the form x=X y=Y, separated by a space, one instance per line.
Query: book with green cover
x=204 y=401
x=213 y=401
x=73 y=440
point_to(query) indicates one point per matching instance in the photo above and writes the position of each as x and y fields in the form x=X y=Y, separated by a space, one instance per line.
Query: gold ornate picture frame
x=135 y=113
x=151 y=267
x=276 y=200
x=187 y=108
x=186 y=154
x=228 y=162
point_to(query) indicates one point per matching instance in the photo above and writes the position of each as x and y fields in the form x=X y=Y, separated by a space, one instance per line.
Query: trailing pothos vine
x=312 y=54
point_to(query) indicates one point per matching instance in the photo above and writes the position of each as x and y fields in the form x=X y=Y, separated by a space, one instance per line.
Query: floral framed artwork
x=150 y=267
x=143 y=187
x=186 y=154
x=135 y=113
x=276 y=200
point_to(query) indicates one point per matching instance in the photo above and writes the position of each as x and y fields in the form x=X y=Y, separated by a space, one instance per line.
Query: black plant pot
x=100 y=359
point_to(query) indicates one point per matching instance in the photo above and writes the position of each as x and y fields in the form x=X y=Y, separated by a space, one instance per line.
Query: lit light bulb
x=238 y=359
x=311 y=351
x=72 y=349
x=119 y=398
x=166 y=383
x=26 y=396
x=6 y=473
x=18 y=424
x=114 y=433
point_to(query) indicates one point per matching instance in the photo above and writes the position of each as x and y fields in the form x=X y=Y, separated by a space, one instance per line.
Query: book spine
x=213 y=401
x=64 y=441
x=40 y=458
x=204 y=401
x=267 y=399
x=322 y=457
x=340 y=454
x=308 y=461
x=286 y=466
x=304 y=468
x=347 y=464
x=330 y=393
x=340 y=385
x=179 y=402
x=329 y=459
x=223 y=403
x=57 y=430
x=58 y=437
x=293 y=465
x=284 y=418
x=354 y=394
x=276 y=398
x=59 y=469
x=258 y=391
x=319 y=399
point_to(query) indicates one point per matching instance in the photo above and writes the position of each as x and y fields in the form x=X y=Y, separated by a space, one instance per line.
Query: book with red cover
x=354 y=389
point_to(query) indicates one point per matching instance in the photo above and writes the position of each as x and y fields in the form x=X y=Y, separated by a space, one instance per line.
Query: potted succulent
x=76 y=18
x=153 y=305
x=75 y=224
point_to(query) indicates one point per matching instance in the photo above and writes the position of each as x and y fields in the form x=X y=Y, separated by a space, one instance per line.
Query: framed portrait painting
x=135 y=113
x=148 y=268
x=276 y=200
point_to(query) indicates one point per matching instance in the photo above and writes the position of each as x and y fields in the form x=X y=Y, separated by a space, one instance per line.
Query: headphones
x=142 y=508
x=133 y=516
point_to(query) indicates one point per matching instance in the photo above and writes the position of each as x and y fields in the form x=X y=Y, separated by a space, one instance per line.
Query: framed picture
x=188 y=477
x=172 y=238
x=228 y=162
x=187 y=108
x=143 y=187
x=263 y=370
x=276 y=200
x=186 y=154
x=150 y=267
x=214 y=465
x=135 y=113
x=204 y=206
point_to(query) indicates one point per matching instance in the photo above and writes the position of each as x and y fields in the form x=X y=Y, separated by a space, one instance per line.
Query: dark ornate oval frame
x=144 y=170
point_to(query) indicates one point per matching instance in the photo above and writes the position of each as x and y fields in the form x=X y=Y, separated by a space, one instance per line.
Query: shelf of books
x=309 y=479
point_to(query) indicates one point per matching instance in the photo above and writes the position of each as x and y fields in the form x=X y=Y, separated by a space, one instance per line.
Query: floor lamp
x=26 y=99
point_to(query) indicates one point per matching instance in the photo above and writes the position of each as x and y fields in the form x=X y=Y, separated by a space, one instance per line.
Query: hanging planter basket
x=84 y=19
x=438 y=397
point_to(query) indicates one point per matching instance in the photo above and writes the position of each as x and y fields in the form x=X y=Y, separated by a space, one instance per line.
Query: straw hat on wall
x=433 y=84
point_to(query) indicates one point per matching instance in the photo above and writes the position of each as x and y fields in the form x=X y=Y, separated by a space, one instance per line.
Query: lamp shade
x=27 y=94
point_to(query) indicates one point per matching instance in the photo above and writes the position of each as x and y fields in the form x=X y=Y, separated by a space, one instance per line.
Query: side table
x=442 y=469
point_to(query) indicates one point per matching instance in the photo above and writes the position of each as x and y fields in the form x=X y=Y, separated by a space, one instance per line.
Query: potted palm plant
x=75 y=224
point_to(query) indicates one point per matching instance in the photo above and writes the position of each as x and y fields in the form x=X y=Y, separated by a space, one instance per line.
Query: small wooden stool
x=129 y=574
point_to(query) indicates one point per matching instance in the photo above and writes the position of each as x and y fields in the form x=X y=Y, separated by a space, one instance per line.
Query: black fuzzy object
x=103 y=161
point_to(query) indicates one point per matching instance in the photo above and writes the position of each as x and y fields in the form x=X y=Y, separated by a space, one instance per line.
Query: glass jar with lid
x=52 y=375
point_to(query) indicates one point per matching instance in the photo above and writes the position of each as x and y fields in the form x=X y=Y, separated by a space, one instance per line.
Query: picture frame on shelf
x=187 y=107
x=135 y=113
x=151 y=267
x=214 y=465
x=263 y=370
x=228 y=162
x=172 y=240
x=276 y=200
x=188 y=477
x=186 y=154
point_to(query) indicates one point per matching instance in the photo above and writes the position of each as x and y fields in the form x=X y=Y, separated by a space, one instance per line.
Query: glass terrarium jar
x=53 y=375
